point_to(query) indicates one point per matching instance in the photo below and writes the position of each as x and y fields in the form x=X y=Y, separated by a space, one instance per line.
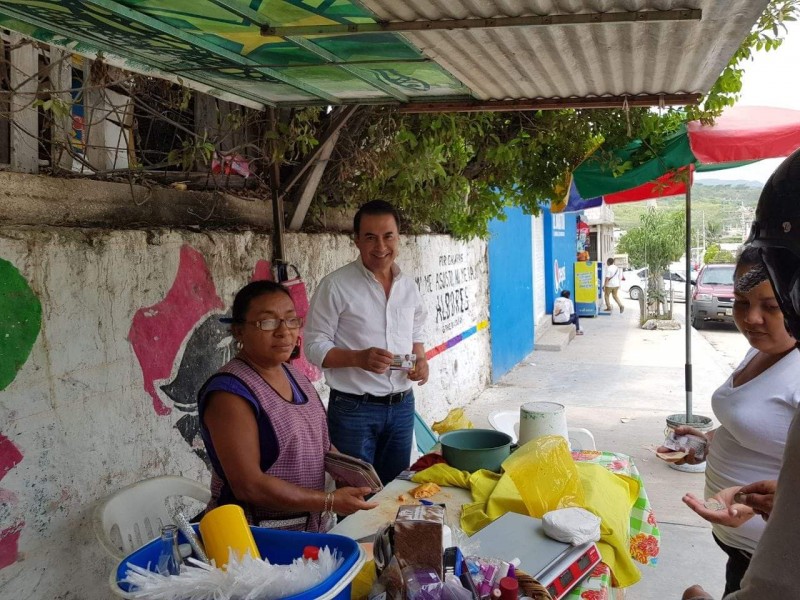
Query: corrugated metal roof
x=290 y=52
x=562 y=61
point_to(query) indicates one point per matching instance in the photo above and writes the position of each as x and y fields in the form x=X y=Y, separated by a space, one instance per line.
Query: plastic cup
x=225 y=528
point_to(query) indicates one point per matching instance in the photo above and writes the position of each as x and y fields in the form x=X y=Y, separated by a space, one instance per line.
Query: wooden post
x=96 y=110
x=24 y=83
x=5 y=96
x=61 y=83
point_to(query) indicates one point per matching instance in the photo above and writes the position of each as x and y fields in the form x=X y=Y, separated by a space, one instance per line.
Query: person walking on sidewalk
x=564 y=312
x=360 y=317
x=611 y=285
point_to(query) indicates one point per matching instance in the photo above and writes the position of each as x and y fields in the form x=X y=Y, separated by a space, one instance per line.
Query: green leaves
x=657 y=242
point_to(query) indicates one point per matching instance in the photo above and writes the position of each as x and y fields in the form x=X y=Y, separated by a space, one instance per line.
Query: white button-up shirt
x=350 y=310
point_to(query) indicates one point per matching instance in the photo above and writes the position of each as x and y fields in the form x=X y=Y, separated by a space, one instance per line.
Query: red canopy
x=671 y=184
x=746 y=133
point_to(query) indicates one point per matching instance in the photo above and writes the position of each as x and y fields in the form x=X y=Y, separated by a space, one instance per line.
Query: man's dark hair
x=253 y=290
x=565 y=293
x=610 y=261
x=375 y=207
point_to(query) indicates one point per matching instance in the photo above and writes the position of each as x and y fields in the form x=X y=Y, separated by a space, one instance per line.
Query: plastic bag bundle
x=574 y=526
x=455 y=419
x=545 y=475
x=243 y=579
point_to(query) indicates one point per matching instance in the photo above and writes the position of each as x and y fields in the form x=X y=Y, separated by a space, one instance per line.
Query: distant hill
x=730 y=183
x=719 y=204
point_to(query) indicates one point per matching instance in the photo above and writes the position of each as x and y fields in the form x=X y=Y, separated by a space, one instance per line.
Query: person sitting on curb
x=564 y=312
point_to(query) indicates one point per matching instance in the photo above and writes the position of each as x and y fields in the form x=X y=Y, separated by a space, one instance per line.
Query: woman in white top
x=754 y=407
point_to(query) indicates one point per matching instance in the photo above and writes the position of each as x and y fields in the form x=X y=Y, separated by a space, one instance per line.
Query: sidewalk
x=621 y=382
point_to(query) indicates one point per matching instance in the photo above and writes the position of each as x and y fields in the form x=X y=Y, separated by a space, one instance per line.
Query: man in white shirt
x=360 y=317
x=611 y=285
x=564 y=312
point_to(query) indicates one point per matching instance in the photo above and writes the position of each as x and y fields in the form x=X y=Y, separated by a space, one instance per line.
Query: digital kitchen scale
x=557 y=566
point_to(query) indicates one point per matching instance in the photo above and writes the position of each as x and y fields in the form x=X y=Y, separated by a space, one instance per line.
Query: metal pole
x=688 y=365
x=279 y=251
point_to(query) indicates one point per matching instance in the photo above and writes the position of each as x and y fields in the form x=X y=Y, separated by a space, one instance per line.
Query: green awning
x=596 y=177
x=220 y=46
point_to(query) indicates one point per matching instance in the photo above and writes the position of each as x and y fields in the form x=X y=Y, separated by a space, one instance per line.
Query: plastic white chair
x=134 y=515
x=507 y=421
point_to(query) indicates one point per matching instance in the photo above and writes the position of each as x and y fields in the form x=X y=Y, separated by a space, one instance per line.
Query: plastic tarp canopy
x=739 y=136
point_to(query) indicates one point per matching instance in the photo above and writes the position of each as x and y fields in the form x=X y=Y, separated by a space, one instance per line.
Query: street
x=726 y=340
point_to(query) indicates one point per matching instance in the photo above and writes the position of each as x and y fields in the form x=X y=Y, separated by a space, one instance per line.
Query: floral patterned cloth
x=645 y=535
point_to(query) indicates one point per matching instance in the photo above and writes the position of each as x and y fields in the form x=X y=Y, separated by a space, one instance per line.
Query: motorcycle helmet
x=776 y=233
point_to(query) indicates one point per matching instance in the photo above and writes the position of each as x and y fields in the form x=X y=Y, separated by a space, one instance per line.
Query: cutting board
x=366 y=522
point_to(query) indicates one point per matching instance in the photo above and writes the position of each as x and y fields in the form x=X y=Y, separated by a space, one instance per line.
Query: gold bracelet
x=328 y=503
x=333 y=499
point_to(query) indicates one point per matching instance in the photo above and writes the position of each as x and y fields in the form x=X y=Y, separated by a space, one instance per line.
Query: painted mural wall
x=104 y=340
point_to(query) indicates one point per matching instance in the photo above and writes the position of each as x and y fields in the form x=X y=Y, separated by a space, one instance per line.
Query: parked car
x=712 y=299
x=635 y=283
x=676 y=280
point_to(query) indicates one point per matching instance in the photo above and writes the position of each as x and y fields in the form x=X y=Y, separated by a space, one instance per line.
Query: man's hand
x=732 y=514
x=759 y=496
x=696 y=593
x=376 y=360
x=420 y=371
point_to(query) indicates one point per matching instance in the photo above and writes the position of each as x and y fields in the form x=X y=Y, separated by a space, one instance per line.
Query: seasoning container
x=509 y=588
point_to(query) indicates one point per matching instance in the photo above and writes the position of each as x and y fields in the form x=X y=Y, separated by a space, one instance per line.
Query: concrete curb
x=553 y=338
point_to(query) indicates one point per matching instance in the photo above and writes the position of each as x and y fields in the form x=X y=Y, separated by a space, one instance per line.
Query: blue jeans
x=380 y=434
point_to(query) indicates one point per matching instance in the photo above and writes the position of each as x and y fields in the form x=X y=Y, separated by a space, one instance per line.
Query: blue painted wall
x=560 y=251
x=510 y=290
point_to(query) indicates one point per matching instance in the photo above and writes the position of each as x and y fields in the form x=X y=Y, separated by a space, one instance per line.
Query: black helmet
x=776 y=232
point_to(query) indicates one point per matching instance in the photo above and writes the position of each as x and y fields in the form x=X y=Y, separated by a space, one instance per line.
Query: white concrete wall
x=129 y=322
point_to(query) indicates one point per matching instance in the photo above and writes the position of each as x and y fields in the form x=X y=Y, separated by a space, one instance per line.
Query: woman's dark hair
x=241 y=303
x=375 y=207
x=565 y=293
x=748 y=256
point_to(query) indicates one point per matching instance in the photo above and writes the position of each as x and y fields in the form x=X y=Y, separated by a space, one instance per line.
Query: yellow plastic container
x=223 y=528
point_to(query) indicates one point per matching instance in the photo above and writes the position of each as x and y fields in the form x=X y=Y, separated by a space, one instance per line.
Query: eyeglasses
x=273 y=324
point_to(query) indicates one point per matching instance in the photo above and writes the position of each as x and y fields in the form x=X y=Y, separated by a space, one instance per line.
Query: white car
x=635 y=282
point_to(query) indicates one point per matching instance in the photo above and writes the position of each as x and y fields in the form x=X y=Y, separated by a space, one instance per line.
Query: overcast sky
x=770 y=79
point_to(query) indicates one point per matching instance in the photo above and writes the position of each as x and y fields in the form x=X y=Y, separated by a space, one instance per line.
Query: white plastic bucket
x=537 y=419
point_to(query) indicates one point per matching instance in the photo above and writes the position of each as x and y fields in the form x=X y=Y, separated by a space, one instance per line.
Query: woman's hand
x=348 y=500
x=759 y=496
x=690 y=456
x=732 y=514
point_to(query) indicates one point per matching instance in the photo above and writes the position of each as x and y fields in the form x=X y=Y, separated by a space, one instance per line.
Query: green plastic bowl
x=475 y=449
